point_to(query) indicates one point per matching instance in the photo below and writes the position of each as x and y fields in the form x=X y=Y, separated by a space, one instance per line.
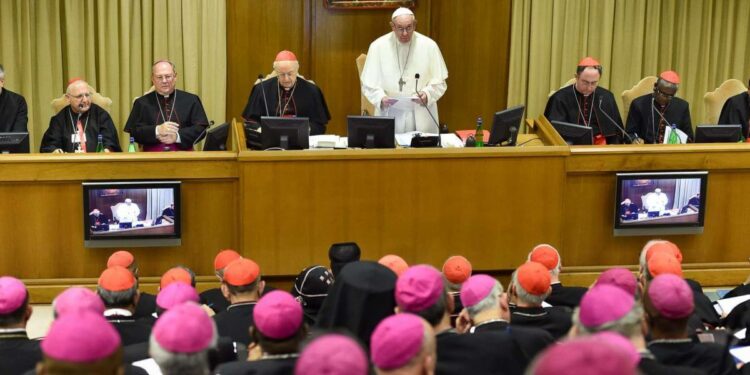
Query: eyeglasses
x=404 y=30
x=81 y=96
x=664 y=94
x=167 y=78
x=286 y=75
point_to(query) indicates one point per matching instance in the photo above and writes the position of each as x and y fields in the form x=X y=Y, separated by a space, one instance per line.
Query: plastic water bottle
x=479 y=133
x=99 y=143
x=131 y=146
x=673 y=137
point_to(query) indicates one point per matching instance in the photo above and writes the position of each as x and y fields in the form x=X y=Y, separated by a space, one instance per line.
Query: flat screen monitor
x=718 y=133
x=574 y=134
x=660 y=203
x=216 y=138
x=505 y=126
x=131 y=213
x=371 y=131
x=14 y=143
x=286 y=133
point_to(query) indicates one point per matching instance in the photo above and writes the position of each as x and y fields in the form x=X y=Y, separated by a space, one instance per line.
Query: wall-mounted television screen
x=660 y=203
x=131 y=213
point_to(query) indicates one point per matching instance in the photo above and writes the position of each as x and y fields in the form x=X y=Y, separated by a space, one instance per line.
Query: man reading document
x=389 y=77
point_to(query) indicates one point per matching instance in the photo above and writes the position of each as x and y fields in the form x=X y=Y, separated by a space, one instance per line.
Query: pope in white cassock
x=392 y=62
x=128 y=212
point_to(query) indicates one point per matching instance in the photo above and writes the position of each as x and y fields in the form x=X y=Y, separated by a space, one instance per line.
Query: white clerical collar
x=117 y=312
x=12 y=330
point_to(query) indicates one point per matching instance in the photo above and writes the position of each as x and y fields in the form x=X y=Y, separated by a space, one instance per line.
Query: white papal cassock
x=390 y=61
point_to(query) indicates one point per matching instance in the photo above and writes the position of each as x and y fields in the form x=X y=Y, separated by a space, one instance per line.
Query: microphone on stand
x=263 y=90
x=630 y=139
x=424 y=103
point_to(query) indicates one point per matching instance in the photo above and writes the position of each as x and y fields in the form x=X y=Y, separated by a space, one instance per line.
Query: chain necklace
x=401 y=70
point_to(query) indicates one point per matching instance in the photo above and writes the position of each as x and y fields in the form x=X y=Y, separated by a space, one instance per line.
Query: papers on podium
x=405 y=103
x=328 y=141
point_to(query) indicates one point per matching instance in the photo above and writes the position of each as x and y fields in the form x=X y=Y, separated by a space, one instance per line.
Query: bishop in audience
x=560 y=295
x=310 y=290
x=182 y=339
x=166 y=119
x=650 y=115
x=342 y=253
x=287 y=94
x=390 y=75
x=403 y=344
x=332 y=354
x=530 y=286
x=146 y=304
x=242 y=286
x=119 y=290
x=18 y=353
x=214 y=298
x=13 y=110
x=588 y=104
x=77 y=126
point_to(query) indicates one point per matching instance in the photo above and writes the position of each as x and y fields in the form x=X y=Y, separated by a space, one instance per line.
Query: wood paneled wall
x=472 y=34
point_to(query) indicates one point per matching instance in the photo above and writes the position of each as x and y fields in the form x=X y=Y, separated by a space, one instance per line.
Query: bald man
x=77 y=126
x=166 y=119
x=287 y=95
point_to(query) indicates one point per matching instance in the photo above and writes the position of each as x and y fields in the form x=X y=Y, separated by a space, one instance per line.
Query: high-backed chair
x=566 y=84
x=102 y=101
x=643 y=87
x=365 y=106
x=714 y=100
x=150 y=90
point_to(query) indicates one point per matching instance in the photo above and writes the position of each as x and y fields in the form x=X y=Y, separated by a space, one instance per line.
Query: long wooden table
x=284 y=208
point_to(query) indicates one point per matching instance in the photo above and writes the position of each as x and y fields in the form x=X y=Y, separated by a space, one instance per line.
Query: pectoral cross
x=401 y=84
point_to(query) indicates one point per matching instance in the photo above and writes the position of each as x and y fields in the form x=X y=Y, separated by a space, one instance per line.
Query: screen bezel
x=382 y=124
x=156 y=240
x=659 y=229
x=273 y=127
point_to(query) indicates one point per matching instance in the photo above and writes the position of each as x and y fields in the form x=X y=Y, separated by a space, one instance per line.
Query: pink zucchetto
x=77 y=299
x=671 y=296
x=332 y=354
x=80 y=337
x=619 y=277
x=477 y=288
x=419 y=288
x=585 y=356
x=603 y=304
x=12 y=294
x=175 y=294
x=278 y=315
x=396 y=340
x=185 y=328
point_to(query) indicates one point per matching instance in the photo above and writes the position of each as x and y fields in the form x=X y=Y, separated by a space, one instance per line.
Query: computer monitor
x=718 y=133
x=131 y=213
x=505 y=126
x=287 y=133
x=660 y=203
x=14 y=143
x=371 y=131
x=216 y=138
x=574 y=134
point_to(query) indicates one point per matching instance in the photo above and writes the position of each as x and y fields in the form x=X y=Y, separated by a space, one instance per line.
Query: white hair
x=489 y=302
x=182 y=363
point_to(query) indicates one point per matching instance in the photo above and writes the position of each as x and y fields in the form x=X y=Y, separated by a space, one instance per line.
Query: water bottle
x=673 y=137
x=131 y=146
x=99 y=143
x=479 y=133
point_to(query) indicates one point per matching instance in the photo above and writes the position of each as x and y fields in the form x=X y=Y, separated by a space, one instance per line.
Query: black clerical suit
x=569 y=105
x=529 y=340
x=274 y=365
x=569 y=296
x=556 y=319
x=96 y=121
x=648 y=365
x=154 y=109
x=644 y=120
x=306 y=101
x=707 y=357
x=18 y=354
x=736 y=110
x=131 y=331
x=146 y=306
x=214 y=299
x=235 y=322
x=13 y=112
x=489 y=353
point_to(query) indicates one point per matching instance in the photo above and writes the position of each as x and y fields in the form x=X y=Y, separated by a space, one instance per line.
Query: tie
x=80 y=135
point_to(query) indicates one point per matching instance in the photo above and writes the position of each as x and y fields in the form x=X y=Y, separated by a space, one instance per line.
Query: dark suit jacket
x=18 y=354
x=235 y=322
x=569 y=296
x=644 y=121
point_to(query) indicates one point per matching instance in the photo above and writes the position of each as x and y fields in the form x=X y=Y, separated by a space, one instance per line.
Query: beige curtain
x=112 y=44
x=705 y=41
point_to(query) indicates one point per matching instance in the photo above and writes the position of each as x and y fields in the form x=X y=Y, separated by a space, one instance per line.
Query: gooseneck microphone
x=630 y=139
x=424 y=103
x=263 y=90
x=653 y=122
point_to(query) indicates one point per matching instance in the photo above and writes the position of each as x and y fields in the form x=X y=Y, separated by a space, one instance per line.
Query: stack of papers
x=726 y=305
x=447 y=140
x=328 y=141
